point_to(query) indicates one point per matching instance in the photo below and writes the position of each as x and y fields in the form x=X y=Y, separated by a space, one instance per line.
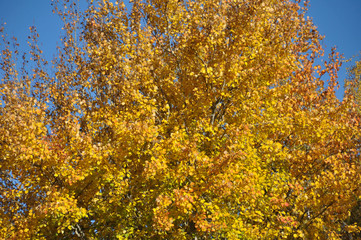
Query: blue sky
x=339 y=21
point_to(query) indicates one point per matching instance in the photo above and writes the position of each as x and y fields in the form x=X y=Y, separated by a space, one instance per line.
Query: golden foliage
x=204 y=119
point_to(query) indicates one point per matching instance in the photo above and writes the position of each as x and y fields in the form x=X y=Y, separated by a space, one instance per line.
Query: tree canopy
x=178 y=119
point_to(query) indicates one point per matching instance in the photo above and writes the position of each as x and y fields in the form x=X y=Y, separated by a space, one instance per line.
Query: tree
x=177 y=120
